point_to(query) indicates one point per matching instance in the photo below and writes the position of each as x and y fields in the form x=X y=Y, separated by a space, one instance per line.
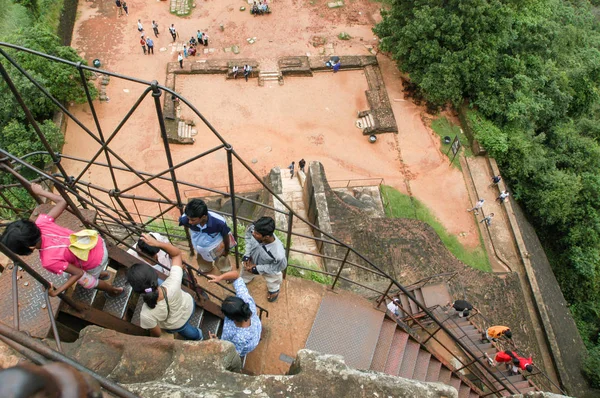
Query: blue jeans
x=188 y=331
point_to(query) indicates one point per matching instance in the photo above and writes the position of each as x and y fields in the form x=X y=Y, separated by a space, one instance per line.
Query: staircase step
x=394 y=360
x=473 y=394
x=117 y=306
x=86 y=296
x=405 y=304
x=445 y=375
x=196 y=318
x=419 y=295
x=386 y=335
x=455 y=382
x=409 y=359
x=210 y=323
x=413 y=307
x=433 y=370
x=464 y=391
x=422 y=365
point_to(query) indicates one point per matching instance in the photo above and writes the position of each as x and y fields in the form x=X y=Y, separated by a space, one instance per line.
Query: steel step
x=86 y=296
x=455 y=382
x=405 y=304
x=196 y=318
x=445 y=375
x=419 y=295
x=409 y=359
x=464 y=391
x=117 y=306
x=422 y=365
x=414 y=308
x=433 y=370
x=210 y=323
x=382 y=350
x=394 y=360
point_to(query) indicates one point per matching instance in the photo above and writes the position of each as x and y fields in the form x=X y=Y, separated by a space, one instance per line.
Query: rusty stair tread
x=419 y=295
x=473 y=394
x=464 y=391
x=409 y=359
x=455 y=382
x=422 y=365
x=405 y=303
x=445 y=375
x=414 y=308
x=386 y=335
x=433 y=370
x=117 y=306
x=394 y=359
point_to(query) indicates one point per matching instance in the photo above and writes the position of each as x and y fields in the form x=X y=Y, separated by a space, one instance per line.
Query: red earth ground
x=306 y=117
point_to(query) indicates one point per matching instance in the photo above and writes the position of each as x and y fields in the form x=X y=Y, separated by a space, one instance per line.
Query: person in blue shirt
x=210 y=234
x=242 y=326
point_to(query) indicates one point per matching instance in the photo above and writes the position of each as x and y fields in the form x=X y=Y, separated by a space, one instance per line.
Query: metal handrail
x=156 y=90
x=43 y=351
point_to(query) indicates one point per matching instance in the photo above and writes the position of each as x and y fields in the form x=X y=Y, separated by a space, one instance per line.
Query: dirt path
x=311 y=118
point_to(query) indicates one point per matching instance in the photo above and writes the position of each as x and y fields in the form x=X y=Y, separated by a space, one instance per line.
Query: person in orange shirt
x=495 y=332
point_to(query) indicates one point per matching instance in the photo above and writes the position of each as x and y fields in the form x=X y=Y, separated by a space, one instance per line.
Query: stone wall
x=153 y=367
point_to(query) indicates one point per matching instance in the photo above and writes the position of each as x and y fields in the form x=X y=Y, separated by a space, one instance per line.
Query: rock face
x=154 y=367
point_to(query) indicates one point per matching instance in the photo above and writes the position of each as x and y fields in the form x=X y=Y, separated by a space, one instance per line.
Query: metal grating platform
x=33 y=315
x=135 y=319
x=346 y=326
x=196 y=318
x=435 y=295
x=210 y=323
x=118 y=305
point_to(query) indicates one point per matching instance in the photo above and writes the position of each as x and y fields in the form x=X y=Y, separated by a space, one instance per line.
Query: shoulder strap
x=268 y=252
x=166 y=301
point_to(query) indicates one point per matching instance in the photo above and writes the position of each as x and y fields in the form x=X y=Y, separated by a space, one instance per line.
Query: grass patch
x=310 y=275
x=12 y=17
x=50 y=12
x=398 y=205
x=444 y=128
x=167 y=228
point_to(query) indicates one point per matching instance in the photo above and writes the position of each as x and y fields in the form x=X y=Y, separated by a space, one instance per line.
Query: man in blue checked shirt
x=210 y=236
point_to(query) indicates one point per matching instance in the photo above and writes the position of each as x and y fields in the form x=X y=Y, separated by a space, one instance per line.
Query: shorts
x=89 y=280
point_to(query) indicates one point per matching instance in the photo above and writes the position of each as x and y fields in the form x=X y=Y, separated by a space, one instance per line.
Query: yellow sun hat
x=82 y=242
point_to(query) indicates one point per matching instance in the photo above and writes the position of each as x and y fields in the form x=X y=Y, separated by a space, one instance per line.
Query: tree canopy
x=530 y=71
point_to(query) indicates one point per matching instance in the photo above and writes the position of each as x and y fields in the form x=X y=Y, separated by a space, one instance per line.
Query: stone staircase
x=185 y=130
x=293 y=196
x=265 y=76
x=365 y=122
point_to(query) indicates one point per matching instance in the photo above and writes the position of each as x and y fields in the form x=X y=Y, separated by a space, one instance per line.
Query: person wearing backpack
x=166 y=307
x=83 y=255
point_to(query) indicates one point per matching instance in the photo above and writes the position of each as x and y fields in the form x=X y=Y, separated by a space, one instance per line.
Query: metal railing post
x=385 y=294
x=156 y=93
x=15 y=289
x=233 y=205
x=337 y=276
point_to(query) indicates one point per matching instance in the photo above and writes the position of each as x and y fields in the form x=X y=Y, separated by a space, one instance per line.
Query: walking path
x=292 y=195
x=501 y=246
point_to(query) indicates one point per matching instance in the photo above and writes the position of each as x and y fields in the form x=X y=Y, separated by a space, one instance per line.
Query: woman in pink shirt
x=52 y=241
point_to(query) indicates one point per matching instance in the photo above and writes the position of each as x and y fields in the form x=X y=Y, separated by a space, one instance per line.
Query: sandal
x=272 y=297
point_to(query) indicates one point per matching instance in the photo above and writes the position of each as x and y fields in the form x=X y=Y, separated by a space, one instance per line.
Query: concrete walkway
x=292 y=195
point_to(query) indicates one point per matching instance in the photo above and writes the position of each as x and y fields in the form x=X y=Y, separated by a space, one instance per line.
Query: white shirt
x=180 y=57
x=163 y=257
x=181 y=305
x=140 y=27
